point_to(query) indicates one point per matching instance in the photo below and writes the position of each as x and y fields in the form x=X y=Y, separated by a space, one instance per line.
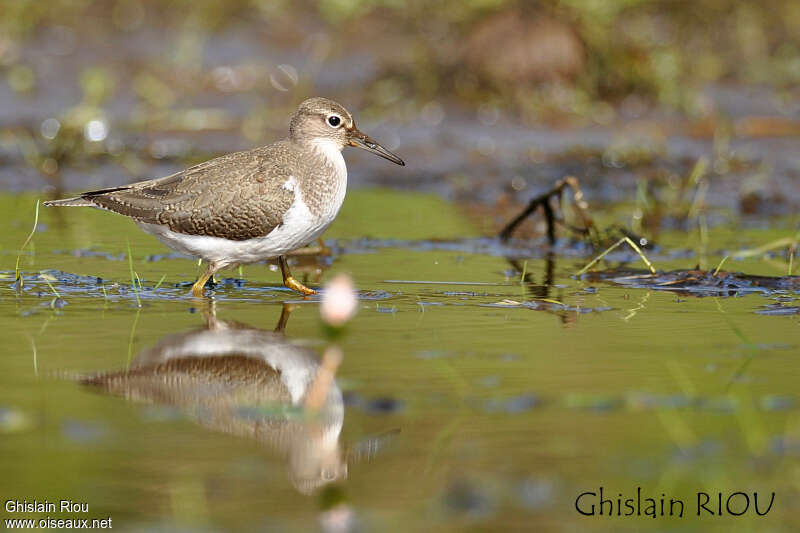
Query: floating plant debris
x=698 y=282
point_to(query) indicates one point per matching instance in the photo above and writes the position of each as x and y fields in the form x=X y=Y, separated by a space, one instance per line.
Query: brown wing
x=237 y=196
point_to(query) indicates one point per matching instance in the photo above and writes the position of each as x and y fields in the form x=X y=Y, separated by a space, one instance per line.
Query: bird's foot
x=295 y=285
x=323 y=248
x=198 y=289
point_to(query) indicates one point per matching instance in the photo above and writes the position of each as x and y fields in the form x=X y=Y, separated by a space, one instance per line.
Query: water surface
x=470 y=400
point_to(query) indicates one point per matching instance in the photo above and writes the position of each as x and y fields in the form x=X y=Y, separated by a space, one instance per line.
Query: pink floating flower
x=339 y=301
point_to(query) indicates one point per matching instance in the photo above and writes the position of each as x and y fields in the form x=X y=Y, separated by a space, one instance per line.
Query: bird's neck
x=330 y=153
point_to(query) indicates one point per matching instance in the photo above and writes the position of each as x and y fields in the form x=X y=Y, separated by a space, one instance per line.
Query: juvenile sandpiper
x=249 y=206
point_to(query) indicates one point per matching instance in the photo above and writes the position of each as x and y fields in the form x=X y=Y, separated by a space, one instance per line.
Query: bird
x=248 y=382
x=249 y=206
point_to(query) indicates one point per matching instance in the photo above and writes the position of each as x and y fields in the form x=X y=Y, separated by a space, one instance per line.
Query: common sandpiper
x=249 y=206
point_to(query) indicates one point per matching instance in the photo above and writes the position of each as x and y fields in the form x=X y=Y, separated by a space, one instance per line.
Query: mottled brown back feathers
x=237 y=196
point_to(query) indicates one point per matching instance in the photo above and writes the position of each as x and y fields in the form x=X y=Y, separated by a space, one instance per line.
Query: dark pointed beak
x=360 y=140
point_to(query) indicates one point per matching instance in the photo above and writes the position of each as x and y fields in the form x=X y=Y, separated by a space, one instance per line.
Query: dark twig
x=543 y=201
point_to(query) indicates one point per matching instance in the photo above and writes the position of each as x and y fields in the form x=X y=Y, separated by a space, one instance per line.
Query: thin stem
x=52 y=288
x=130 y=340
x=133 y=276
x=716 y=270
x=160 y=282
x=613 y=247
x=30 y=236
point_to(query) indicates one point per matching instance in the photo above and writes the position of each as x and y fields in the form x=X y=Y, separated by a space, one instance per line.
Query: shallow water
x=471 y=400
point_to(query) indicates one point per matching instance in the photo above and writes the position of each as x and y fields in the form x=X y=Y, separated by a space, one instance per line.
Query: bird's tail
x=77 y=201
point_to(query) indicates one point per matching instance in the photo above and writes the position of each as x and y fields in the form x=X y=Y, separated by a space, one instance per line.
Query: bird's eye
x=334 y=121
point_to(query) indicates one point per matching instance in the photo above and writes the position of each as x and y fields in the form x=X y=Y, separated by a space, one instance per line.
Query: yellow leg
x=199 y=286
x=209 y=309
x=284 y=319
x=324 y=250
x=292 y=283
x=319 y=249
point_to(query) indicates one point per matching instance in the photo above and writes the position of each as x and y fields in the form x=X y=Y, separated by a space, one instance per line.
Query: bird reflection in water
x=251 y=383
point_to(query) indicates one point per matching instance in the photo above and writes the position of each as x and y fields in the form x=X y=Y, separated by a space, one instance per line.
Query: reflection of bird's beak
x=360 y=140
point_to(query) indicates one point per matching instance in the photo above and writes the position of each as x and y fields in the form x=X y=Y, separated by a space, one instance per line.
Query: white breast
x=333 y=155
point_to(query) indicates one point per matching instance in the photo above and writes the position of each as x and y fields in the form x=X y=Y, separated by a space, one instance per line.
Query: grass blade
x=133 y=276
x=17 y=277
x=716 y=270
x=160 y=282
x=613 y=247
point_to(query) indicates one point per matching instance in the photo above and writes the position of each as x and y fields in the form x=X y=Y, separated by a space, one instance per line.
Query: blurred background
x=487 y=100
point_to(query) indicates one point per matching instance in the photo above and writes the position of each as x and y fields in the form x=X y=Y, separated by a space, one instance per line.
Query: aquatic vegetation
x=700 y=282
x=134 y=277
x=17 y=276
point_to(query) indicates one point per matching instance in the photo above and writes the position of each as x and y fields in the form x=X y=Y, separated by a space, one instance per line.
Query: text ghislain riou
x=46 y=506
x=734 y=503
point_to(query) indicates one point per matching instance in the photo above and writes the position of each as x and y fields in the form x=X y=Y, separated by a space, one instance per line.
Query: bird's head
x=321 y=120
